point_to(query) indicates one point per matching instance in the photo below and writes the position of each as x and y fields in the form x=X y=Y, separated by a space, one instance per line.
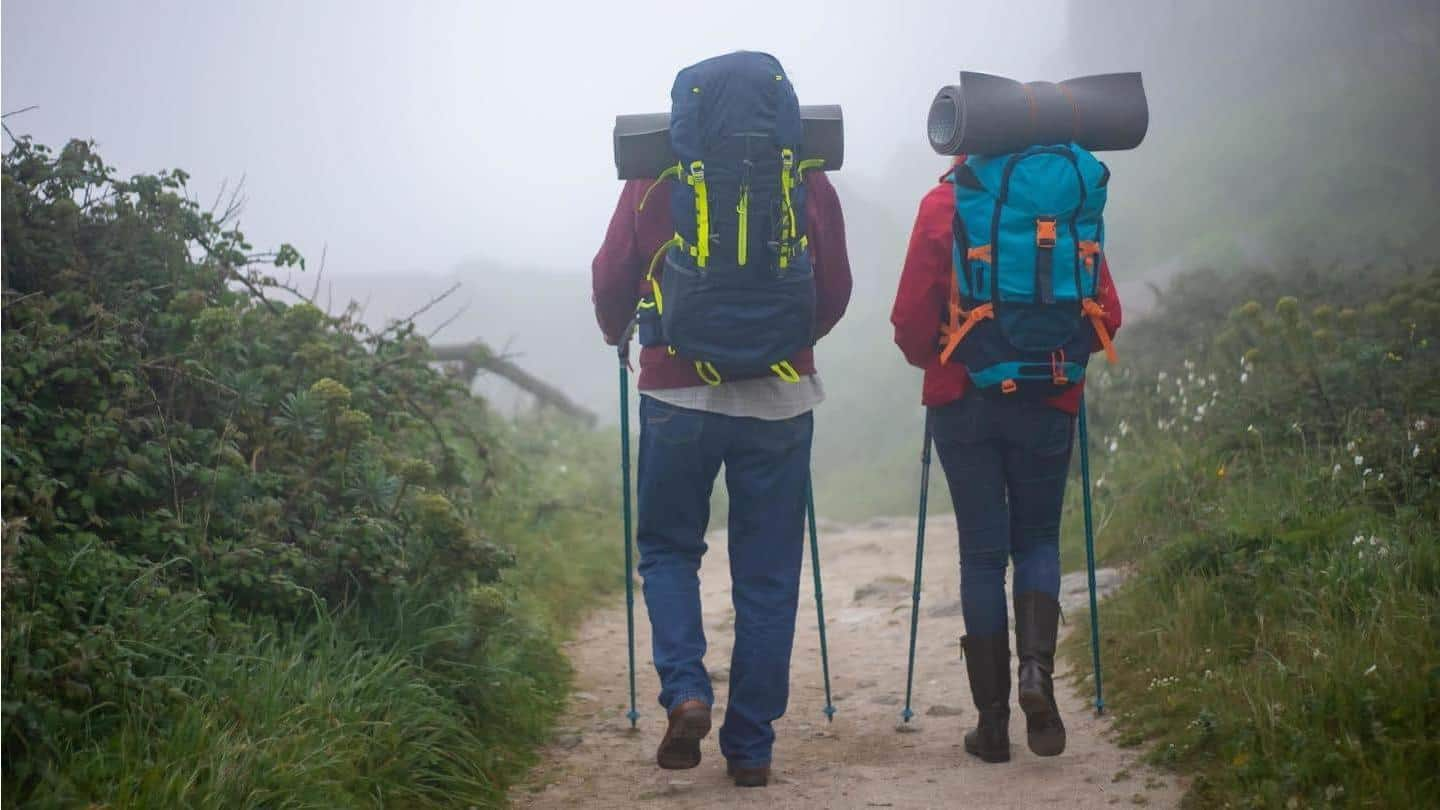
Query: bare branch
x=452 y=319
x=400 y=324
x=324 y=251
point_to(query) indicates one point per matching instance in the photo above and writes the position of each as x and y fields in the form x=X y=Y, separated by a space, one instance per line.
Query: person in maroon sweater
x=618 y=273
x=1005 y=462
x=760 y=429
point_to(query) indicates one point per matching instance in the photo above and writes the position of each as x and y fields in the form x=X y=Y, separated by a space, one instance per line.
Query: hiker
x=738 y=210
x=1004 y=438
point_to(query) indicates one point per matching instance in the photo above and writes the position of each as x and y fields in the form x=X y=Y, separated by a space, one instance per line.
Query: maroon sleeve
x=619 y=267
x=825 y=228
x=924 y=289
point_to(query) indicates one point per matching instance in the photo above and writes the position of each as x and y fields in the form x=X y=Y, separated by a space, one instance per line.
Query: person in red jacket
x=760 y=429
x=1005 y=462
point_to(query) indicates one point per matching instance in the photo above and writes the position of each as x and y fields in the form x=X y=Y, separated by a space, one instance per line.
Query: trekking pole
x=919 y=559
x=1090 y=559
x=819 y=597
x=624 y=354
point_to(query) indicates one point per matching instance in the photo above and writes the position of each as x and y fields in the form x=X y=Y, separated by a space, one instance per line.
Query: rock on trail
x=866 y=757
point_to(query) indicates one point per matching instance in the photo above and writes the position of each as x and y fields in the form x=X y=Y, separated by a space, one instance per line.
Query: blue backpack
x=1029 y=233
x=738 y=293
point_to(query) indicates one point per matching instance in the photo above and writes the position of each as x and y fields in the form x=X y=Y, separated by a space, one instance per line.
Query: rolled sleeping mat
x=642 y=142
x=992 y=115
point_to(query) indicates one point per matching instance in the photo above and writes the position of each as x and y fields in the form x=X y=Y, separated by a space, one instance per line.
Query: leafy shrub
x=194 y=462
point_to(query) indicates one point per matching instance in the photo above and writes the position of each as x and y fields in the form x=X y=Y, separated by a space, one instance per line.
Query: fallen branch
x=477 y=356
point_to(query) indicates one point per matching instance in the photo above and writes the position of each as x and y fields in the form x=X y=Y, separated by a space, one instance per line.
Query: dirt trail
x=861 y=759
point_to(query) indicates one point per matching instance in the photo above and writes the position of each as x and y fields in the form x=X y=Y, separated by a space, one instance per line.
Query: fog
x=411 y=137
x=422 y=144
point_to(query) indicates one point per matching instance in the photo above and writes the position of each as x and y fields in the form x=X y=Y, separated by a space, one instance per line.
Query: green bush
x=1269 y=461
x=226 y=510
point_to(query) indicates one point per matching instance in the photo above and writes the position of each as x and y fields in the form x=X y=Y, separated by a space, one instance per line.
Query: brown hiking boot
x=680 y=748
x=748 y=777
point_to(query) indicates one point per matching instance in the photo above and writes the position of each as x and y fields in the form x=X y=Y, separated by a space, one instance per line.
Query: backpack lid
x=740 y=92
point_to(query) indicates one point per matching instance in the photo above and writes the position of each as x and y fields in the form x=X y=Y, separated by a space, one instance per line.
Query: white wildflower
x=1250 y=428
x=1359 y=461
x=1162 y=376
x=1371 y=670
x=1114 y=445
x=1124 y=428
x=1415 y=451
x=1420 y=424
x=1350 y=447
x=1366 y=473
x=1335 y=471
x=1244 y=375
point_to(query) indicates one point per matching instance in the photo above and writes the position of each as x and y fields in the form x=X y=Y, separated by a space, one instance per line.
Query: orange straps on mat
x=1096 y=314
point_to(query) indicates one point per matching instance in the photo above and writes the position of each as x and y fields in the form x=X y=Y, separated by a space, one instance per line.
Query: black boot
x=1036 y=616
x=987 y=659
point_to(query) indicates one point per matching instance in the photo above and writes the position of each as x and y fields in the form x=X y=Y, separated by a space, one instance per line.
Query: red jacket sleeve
x=825 y=228
x=924 y=290
x=619 y=267
x=1109 y=300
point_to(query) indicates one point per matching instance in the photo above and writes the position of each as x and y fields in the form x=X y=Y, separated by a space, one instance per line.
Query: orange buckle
x=1008 y=386
x=979 y=254
x=1045 y=232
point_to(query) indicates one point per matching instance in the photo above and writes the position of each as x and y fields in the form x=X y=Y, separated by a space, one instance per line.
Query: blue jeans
x=766 y=470
x=767 y=467
x=1006 y=462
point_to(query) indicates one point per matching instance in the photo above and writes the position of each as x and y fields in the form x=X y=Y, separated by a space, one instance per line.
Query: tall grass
x=1275 y=483
x=408 y=704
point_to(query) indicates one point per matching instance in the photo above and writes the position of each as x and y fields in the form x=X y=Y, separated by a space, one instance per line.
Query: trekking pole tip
x=829 y=712
x=906 y=715
x=633 y=716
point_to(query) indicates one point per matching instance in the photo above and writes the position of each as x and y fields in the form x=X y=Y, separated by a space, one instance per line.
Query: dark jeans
x=1006 y=462
x=767 y=467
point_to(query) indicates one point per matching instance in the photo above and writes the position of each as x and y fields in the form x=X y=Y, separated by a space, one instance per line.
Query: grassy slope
x=1281 y=638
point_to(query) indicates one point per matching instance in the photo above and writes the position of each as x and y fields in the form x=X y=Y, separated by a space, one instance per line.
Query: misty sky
x=412 y=136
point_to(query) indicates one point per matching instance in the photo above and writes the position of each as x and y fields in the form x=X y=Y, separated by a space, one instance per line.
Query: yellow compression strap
x=787 y=182
x=696 y=179
x=673 y=171
x=743 y=230
x=786 y=372
x=654 y=263
x=811 y=163
x=707 y=372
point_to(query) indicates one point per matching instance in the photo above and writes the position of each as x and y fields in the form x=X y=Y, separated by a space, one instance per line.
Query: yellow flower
x=1220 y=471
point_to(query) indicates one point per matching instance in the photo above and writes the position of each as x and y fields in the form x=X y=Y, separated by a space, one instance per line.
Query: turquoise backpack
x=1029 y=235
